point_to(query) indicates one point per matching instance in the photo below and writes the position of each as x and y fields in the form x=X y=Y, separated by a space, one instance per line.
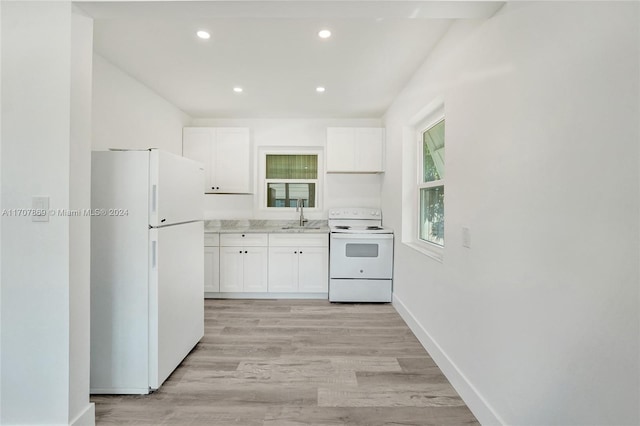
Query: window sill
x=434 y=253
x=291 y=210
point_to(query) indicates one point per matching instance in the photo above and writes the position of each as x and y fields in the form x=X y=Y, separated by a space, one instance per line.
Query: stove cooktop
x=345 y=229
x=351 y=220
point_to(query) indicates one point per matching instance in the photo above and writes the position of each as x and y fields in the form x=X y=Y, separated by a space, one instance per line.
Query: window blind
x=292 y=167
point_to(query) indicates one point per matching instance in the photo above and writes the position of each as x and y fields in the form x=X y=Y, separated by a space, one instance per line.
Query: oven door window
x=361 y=250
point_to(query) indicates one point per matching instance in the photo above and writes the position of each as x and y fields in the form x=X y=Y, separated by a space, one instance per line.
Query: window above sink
x=289 y=176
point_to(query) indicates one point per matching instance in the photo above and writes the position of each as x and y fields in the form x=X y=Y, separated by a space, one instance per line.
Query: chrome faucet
x=300 y=205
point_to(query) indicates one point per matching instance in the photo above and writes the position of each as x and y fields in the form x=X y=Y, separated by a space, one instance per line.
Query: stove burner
x=342 y=227
x=372 y=228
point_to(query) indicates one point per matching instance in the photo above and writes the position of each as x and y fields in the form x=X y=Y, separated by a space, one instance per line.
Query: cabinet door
x=244 y=240
x=340 y=149
x=313 y=266
x=211 y=269
x=196 y=145
x=232 y=161
x=369 y=150
x=255 y=269
x=231 y=268
x=283 y=269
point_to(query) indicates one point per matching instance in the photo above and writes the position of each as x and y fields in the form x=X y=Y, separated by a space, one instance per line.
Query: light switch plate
x=40 y=206
x=466 y=237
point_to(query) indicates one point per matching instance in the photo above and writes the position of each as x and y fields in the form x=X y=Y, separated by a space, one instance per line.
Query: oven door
x=361 y=256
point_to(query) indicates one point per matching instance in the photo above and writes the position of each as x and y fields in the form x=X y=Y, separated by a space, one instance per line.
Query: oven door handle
x=347 y=236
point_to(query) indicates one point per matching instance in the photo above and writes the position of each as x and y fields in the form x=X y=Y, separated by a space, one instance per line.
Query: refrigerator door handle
x=154 y=254
x=154 y=198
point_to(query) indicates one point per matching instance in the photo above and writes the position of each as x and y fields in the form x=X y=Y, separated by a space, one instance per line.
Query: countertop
x=265 y=226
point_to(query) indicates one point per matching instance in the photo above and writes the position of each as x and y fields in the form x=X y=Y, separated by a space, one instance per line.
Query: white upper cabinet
x=226 y=155
x=341 y=152
x=369 y=150
x=355 y=150
x=232 y=171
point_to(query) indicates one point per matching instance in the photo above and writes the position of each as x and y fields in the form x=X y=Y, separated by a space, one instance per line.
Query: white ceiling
x=271 y=49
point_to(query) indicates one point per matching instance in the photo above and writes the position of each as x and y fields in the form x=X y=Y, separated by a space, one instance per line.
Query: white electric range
x=360 y=257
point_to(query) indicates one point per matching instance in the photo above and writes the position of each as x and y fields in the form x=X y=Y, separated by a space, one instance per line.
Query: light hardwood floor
x=298 y=362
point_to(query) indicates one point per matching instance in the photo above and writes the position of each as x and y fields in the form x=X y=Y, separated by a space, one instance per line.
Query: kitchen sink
x=300 y=227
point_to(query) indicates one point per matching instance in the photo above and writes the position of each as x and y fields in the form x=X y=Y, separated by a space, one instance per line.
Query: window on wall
x=431 y=183
x=289 y=178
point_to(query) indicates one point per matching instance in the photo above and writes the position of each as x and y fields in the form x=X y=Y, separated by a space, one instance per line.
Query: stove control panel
x=355 y=213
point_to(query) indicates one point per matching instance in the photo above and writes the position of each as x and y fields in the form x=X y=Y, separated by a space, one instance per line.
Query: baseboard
x=87 y=417
x=470 y=395
x=119 y=391
x=238 y=295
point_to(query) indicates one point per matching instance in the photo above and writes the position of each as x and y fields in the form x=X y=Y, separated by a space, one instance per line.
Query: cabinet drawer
x=211 y=239
x=298 y=240
x=244 y=240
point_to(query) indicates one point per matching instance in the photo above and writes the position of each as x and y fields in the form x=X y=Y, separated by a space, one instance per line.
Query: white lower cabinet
x=211 y=269
x=211 y=263
x=231 y=269
x=283 y=269
x=243 y=262
x=266 y=263
x=298 y=263
x=255 y=269
x=313 y=270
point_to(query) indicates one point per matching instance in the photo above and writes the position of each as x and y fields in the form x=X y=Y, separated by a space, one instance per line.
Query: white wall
x=80 y=411
x=536 y=323
x=127 y=114
x=1 y=204
x=43 y=137
x=340 y=190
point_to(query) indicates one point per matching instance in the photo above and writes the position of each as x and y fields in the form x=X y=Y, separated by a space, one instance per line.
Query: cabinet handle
x=300 y=251
x=240 y=252
x=213 y=187
x=243 y=235
x=245 y=251
x=295 y=252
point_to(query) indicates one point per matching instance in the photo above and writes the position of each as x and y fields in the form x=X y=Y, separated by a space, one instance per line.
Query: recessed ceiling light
x=237 y=89
x=203 y=35
x=324 y=34
x=320 y=89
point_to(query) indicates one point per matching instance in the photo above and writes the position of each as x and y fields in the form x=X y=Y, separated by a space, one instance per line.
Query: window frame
x=263 y=181
x=425 y=126
x=412 y=173
x=289 y=181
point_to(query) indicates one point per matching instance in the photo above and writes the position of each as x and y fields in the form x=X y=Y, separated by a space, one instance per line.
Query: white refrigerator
x=147 y=267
